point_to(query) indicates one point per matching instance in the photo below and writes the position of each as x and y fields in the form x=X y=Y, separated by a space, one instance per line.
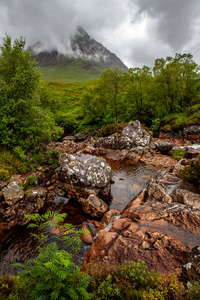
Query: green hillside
x=76 y=71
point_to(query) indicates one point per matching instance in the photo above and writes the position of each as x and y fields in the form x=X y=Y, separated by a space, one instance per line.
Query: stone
x=191 y=153
x=192 y=133
x=164 y=147
x=69 y=138
x=11 y=194
x=133 y=136
x=94 y=206
x=87 y=236
x=186 y=198
x=82 y=178
x=79 y=137
x=34 y=201
x=109 y=215
x=130 y=243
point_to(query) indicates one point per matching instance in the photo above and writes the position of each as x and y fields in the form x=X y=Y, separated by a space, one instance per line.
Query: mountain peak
x=81 y=47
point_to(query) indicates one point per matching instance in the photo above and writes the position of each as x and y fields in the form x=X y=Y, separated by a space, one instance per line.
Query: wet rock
x=133 y=136
x=11 y=194
x=109 y=215
x=127 y=242
x=93 y=206
x=186 y=198
x=82 y=178
x=87 y=236
x=192 y=133
x=176 y=168
x=167 y=198
x=164 y=147
x=69 y=138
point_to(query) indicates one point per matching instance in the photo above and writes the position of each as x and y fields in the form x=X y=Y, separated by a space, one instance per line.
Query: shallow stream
x=129 y=180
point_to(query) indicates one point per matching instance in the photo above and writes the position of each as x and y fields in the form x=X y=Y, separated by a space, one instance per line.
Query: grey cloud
x=174 y=20
x=172 y=25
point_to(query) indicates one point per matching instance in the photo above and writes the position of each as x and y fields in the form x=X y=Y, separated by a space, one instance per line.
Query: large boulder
x=126 y=241
x=134 y=142
x=11 y=194
x=82 y=178
x=133 y=135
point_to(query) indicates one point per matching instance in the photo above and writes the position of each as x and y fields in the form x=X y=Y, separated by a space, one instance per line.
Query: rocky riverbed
x=149 y=226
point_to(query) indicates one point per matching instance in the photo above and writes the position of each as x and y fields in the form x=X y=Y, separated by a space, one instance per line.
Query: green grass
x=76 y=71
x=69 y=113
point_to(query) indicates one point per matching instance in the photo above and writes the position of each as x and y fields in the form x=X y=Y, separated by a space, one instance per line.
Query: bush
x=132 y=280
x=178 y=154
x=191 y=173
x=4 y=175
x=111 y=128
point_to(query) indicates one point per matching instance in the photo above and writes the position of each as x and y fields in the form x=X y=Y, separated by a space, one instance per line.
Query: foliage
x=112 y=128
x=193 y=291
x=17 y=162
x=132 y=280
x=191 y=173
x=52 y=275
x=23 y=121
x=155 y=126
x=178 y=154
x=8 y=288
x=31 y=180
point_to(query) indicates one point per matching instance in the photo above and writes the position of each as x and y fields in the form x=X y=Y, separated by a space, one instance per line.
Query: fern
x=52 y=275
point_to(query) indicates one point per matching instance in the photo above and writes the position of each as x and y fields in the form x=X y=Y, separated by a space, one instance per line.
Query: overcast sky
x=137 y=31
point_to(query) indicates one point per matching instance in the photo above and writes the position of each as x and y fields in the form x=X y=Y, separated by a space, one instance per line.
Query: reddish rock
x=93 y=206
x=108 y=216
x=87 y=235
x=160 y=252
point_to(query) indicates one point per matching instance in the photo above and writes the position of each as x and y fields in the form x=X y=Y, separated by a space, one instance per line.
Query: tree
x=23 y=122
x=176 y=83
x=138 y=84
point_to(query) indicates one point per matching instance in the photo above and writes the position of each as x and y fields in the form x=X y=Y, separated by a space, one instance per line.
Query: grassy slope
x=70 y=95
x=77 y=71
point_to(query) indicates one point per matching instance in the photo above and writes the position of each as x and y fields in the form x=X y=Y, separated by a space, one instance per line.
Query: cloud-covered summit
x=137 y=31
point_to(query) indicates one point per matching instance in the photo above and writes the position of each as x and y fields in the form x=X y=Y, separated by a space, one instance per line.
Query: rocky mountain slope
x=82 y=58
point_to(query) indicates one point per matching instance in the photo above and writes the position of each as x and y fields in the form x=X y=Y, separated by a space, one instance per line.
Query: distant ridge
x=81 y=59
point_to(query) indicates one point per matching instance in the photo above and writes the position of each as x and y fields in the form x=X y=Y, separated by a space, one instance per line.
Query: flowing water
x=129 y=180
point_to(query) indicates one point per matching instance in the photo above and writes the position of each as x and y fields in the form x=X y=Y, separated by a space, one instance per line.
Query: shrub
x=178 y=154
x=111 y=128
x=155 y=126
x=32 y=180
x=191 y=173
x=4 y=174
x=132 y=280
